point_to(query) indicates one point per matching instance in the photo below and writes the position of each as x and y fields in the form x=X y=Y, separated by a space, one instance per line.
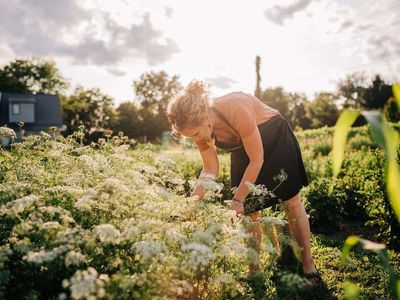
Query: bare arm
x=210 y=160
x=254 y=149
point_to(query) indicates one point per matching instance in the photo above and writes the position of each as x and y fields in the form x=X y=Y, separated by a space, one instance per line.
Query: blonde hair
x=189 y=108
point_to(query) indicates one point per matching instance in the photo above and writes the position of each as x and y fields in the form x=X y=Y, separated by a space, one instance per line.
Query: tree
x=277 y=98
x=89 y=108
x=377 y=94
x=257 y=92
x=297 y=105
x=153 y=91
x=128 y=121
x=32 y=76
x=353 y=89
x=323 y=110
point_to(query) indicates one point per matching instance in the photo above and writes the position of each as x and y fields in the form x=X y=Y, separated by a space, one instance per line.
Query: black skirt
x=281 y=152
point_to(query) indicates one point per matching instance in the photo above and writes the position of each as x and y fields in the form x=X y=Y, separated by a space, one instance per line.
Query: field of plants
x=113 y=220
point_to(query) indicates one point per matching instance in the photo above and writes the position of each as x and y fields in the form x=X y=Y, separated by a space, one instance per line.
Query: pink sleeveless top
x=243 y=112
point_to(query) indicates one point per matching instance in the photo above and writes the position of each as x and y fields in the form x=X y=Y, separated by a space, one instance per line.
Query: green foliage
x=322 y=111
x=89 y=108
x=359 y=141
x=153 y=91
x=392 y=111
x=322 y=148
x=32 y=76
x=383 y=257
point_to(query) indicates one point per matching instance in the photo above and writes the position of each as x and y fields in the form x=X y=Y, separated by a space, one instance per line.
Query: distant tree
x=392 y=111
x=129 y=121
x=32 y=76
x=323 y=110
x=377 y=94
x=277 y=98
x=353 y=88
x=257 y=92
x=297 y=105
x=153 y=91
x=88 y=107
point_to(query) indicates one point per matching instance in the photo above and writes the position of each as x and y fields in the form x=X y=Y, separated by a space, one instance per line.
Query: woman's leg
x=256 y=231
x=300 y=227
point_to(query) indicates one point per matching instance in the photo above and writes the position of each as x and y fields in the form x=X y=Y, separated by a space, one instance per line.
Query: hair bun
x=195 y=87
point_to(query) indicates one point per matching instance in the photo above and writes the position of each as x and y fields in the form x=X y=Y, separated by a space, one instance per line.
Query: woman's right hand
x=237 y=206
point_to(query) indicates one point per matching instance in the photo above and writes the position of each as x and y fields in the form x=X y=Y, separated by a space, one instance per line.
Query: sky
x=305 y=46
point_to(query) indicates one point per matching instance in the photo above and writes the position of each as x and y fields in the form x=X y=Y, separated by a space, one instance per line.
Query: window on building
x=16 y=109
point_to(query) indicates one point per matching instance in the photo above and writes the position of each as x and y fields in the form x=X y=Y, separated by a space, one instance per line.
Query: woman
x=261 y=143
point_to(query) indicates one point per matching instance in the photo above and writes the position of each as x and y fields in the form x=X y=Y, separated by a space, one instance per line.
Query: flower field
x=113 y=220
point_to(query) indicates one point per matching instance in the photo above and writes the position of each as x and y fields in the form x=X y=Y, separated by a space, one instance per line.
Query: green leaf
x=396 y=93
x=342 y=129
x=348 y=244
x=375 y=120
x=351 y=291
x=388 y=139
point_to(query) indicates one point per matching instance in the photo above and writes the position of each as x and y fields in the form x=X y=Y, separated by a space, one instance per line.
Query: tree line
x=144 y=117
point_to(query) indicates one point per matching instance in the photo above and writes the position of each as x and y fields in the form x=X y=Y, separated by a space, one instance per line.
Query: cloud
x=278 y=14
x=116 y=72
x=168 y=11
x=42 y=28
x=221 y=82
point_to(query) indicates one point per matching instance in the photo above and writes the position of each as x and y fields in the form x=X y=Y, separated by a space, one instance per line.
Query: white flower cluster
x=107 y=233
x=75 y=191
x=259 y=190
x=7 y=132
x=74 y=258
x=5 y=251
x=166 y=161
x=281 y=176
x=200 y=256
x=149 y=249
x=207 y=181
x=86 y=284
x=89 y=162
x=43 y=256
x=19 y=205
x=87 y=200
x=114 y=185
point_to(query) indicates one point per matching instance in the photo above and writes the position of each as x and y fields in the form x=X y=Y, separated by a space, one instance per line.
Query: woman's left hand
x=238 y=207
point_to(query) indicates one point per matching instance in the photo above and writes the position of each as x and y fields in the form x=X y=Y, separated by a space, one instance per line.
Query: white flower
x=75 y=191
x=282 y=176
x=273 y=220
x=174 y=235
x=113 y=185
x=86 y=284
x=224 y=278
x=43 y=256
x=146 y=168
x=200 y=255
x=121 y=157
x=87 y=200
x=51 y=225
x=107 y=233
x=209 y=184
x=6 y=132
x=149 y=249
x=18 y=206
x=74 y=258
x=165 y=160
x=259 y=190
x=45 y=135
x=89 y=161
